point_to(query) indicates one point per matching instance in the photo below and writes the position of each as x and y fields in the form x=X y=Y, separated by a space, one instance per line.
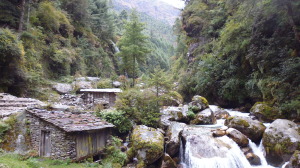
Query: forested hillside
x=53 y=40
x=241 y=52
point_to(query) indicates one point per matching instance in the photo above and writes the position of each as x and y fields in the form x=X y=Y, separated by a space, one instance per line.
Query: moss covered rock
x=204 y=117
x=281 y=140
x=295 y=160
x=198 y=104
x=253 y=129
x=264 y=112
x=147 y=144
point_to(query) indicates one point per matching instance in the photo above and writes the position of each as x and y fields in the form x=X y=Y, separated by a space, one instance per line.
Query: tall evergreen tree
x=133 y=46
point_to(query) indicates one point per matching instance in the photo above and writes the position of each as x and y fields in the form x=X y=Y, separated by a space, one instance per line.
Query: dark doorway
x=45 y=146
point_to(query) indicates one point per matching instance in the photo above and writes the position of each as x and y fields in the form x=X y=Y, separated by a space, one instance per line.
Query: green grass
x=16 y=161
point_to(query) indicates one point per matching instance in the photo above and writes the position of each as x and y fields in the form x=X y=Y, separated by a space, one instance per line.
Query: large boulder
x=281 y=139
x=82 y=85
x=237 y=137
x=176 y=113
x=253 y=129
x=295 y=160
x=147 y=145
x=204 y=117
x=63 y=88
x=172 y=146
x=264 y=112
x=198 y=104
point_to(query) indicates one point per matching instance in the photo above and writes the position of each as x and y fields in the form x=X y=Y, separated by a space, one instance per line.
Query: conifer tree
x=133 y=46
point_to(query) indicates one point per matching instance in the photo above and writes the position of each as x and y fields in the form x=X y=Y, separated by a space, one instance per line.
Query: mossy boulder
x=173 y=144
x=295 y=160
x=281 y=139
x=253 y=129
x=147 y=145
x=198 y=104
x=264 y=112
x=205 y=117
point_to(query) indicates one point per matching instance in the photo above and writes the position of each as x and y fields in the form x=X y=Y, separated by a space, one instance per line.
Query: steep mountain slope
x=155 y=8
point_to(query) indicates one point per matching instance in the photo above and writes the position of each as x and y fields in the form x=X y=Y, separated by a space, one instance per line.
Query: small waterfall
x=115 y=47
x=203 y=150
x=260 y=152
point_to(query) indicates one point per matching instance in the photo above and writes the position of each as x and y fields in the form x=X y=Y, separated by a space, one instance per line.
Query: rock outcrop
x=253 y=129
x=281 y=139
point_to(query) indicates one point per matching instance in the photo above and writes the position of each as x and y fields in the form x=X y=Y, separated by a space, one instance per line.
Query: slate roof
x=112 y=90
x=71 y=121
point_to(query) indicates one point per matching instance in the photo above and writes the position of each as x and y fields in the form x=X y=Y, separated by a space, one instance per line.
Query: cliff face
x=155 y=8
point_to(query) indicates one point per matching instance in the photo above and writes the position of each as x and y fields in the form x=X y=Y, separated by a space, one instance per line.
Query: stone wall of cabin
x=63 y=144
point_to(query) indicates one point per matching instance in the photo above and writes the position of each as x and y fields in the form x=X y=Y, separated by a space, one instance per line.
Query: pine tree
x=133 y=46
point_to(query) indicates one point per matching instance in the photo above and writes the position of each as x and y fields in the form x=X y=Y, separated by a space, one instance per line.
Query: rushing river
x=202 y=150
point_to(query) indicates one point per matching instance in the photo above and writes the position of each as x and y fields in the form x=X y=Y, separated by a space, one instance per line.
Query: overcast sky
x=176 y=3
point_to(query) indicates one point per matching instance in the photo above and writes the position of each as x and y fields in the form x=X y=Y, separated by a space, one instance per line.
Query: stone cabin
x=66 y=135
x=109 y=95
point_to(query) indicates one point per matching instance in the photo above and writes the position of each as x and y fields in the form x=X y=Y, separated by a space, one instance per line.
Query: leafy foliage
x=139 y=106
x=117 y=118
x=12 y=70
x=241 y=52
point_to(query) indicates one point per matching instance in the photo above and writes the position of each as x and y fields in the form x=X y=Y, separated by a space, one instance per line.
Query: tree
x=102 y=21
x=133 y=47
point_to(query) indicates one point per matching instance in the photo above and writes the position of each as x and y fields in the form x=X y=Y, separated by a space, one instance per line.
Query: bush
x=139 y=106
x=191 y=115
x=117 y=118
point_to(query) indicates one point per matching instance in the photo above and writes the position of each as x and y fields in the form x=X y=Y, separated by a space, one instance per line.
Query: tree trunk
x=21 y=20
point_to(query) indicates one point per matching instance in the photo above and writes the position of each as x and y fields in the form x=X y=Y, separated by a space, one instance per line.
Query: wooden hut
x=67 y=135
x=109 y=95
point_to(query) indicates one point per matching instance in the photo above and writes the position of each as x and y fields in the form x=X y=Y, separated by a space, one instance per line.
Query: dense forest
x=239 y=52
x=53 y=40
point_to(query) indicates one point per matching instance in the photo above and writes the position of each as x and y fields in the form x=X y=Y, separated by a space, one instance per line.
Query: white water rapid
x=201 y=150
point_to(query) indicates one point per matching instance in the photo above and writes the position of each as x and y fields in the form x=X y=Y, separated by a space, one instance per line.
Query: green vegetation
x=114 y=157
x=117 y=118
x=240 y=52
x=18 y=161
x=133 y=47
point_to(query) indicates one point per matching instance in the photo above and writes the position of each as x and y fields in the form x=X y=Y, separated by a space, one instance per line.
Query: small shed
x=66 y=135
x=109 y=95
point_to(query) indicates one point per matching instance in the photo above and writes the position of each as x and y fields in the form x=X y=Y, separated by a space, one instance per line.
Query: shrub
x=139 y=106
x=117 y=118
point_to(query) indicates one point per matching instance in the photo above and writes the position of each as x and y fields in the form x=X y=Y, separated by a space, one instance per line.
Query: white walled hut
x=109 y=95
x=67 y=135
